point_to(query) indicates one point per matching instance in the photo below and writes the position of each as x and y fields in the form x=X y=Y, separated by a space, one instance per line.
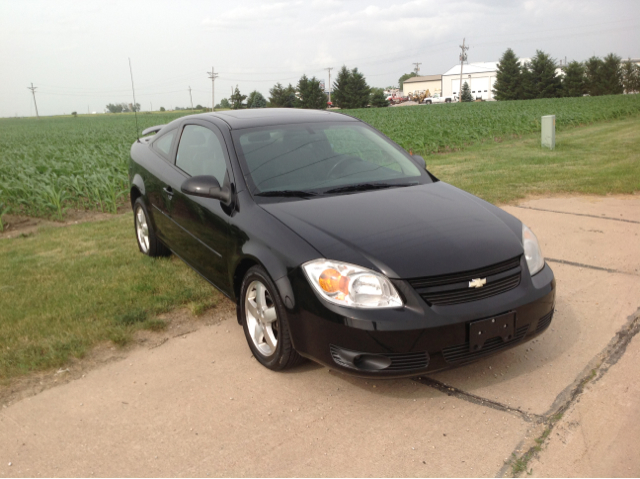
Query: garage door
x=480 y=88
x=455 y=87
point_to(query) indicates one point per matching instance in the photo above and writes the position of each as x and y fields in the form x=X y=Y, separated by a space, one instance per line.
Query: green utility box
x=549 y=131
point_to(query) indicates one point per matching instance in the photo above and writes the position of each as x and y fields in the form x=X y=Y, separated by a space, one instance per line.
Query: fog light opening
x=371 y=362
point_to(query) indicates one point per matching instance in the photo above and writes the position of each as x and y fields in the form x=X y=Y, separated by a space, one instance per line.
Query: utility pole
x=463 y=58
x=213 y=75
x=33 y=90
x=416 y=69
x=329 y=70
x=191 y=98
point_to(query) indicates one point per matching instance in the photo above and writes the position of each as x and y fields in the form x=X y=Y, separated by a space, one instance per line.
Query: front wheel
x=264 y=321
x=148 y=242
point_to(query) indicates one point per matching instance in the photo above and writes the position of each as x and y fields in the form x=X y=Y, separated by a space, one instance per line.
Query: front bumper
x=416 y=338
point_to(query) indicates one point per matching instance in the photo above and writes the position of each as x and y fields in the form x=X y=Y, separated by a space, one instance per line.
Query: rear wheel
x=264 y=321
x=148 y=243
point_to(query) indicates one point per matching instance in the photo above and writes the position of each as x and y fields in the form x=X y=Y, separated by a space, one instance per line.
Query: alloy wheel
x=261 y=318
x=142 y=230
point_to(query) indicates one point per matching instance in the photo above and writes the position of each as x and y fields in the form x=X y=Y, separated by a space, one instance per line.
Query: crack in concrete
x=472 y=398
x=588 y=266
x=603 y=362
x=595 y=370
x=579 y=214
x=621 y=341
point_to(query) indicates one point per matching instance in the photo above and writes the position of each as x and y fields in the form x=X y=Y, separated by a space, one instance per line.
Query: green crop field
x=53 y=163
x=427 y=129
x=50 y=164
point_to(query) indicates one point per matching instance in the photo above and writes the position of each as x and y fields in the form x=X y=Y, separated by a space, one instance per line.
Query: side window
x=163 y=144
x=200 y=153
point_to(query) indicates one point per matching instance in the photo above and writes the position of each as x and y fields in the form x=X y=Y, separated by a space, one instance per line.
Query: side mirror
x=205 y=186
x=419 y=159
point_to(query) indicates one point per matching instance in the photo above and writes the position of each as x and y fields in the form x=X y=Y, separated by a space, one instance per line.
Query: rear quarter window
x=163 y=144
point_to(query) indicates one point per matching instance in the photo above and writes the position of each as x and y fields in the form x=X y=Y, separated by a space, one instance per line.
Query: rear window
x=315 y=157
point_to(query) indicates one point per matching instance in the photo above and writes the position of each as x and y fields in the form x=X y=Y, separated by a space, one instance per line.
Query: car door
x=157 y=183
x=201 y=232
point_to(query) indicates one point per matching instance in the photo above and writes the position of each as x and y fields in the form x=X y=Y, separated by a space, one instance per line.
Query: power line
x=213 y=75
x=33 y=90
x=45 y=92
x=261 y=81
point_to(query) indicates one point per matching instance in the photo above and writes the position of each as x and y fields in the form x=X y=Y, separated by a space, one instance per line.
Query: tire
x=265 y=323
x=428 y=102
x=148 y=242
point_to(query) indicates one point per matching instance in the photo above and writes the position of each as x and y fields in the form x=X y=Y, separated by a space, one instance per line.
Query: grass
x=519 y=464
x=600 y=159
x=65 y=289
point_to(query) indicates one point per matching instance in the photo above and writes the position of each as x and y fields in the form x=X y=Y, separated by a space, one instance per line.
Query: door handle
x=168 y=190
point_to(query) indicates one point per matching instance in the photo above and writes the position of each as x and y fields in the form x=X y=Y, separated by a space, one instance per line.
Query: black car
x=335 y=244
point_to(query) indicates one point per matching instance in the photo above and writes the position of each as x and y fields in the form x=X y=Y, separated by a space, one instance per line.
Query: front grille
x=544 y=322
x=454 y=288
x=399 y=361
x=461 y=354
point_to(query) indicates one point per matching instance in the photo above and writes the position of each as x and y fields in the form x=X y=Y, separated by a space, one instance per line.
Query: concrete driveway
x=200 y=405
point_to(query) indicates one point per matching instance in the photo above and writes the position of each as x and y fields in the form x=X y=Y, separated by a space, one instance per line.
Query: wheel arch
x=274 y=268
x=137 y=189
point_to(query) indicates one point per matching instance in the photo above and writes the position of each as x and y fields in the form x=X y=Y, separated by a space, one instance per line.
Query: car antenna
x=135 y=108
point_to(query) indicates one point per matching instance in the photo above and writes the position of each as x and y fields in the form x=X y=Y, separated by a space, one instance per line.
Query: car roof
x=257 y=117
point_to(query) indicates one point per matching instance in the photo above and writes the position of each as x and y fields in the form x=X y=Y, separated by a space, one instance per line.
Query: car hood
x=408 y=232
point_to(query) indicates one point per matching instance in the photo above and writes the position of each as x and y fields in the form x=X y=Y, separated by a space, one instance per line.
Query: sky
x=76 y=53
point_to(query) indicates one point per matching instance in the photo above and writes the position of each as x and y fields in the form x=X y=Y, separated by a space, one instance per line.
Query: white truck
x=437 y=98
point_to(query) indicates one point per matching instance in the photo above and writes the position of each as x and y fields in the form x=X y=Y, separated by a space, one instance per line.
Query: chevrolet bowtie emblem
x=477 y=283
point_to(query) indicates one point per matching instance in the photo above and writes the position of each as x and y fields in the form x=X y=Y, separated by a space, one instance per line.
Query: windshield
x=319 y=157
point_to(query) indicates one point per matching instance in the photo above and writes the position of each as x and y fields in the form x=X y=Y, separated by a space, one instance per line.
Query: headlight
x=350 y=285
x=532 y=252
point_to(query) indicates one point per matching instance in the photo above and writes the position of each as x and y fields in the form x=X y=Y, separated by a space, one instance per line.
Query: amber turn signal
x=333 y=282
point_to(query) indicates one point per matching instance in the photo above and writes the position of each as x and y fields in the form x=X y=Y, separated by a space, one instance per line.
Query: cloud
x=325 y=4
x=247 y=16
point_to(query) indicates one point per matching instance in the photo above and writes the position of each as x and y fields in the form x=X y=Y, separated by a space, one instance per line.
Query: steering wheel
x=342 y=163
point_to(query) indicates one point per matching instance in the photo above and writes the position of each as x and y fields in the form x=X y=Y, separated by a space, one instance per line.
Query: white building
x=480 y=76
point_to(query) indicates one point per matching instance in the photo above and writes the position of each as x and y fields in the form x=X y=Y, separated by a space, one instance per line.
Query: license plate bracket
x=502 y=326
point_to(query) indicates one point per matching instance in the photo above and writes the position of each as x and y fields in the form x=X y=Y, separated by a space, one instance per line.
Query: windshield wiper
x=368 y=186
x=291 y=193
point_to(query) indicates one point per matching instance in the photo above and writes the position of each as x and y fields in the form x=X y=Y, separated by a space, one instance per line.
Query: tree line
x=122 y=107
x=539 y=77
x=350 y=90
